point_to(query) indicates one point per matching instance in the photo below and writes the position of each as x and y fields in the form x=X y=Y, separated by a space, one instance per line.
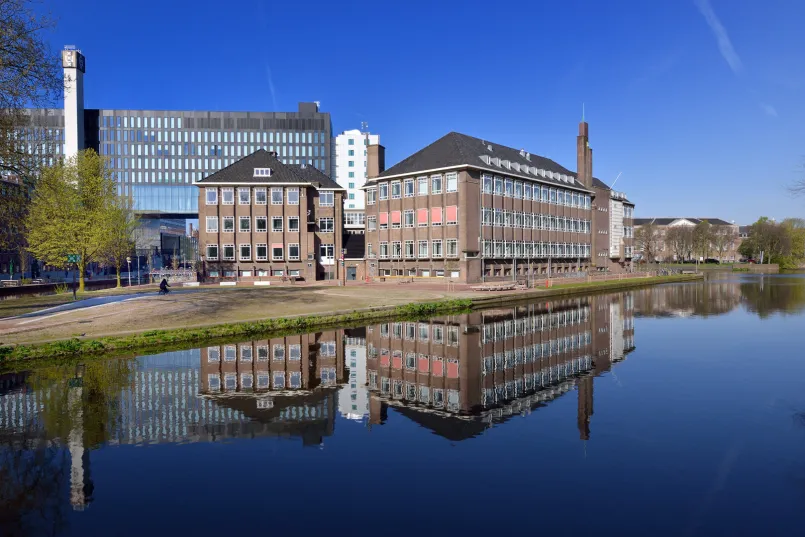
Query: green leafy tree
x=120 y=223
x=69 y=212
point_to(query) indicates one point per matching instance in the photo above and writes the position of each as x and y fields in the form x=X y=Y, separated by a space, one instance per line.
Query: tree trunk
x=81 y=266
x=117 y=268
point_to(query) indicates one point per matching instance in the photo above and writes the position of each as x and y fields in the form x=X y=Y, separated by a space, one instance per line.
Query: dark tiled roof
x=455 y=149
x=598 y=183
x=668 y=221
x=242 y=172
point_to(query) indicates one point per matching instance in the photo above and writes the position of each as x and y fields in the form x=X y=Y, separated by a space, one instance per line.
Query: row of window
x=205 y=164
x=279 y=196
x=154 y=145
x=424 y=331
x=503 y=186
x=529 y=354
x=278 y=352
x=423 y=394
x=405 y=249
x=435 y=216
x=516 y=219
x=522 y=326
x=432 y=365
x=409 y=188
x=538 y=250
x=261 y=252
x=529 y=383
x=326 y=224
x=628 y=211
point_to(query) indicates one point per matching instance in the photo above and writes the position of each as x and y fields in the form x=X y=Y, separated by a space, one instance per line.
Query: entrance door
x=352 y=273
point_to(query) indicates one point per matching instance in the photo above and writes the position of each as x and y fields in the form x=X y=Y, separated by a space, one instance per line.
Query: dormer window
x=506 y=164
x=262 y=172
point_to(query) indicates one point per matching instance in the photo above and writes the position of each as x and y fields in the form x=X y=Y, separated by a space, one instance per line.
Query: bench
x=11 y=283
x=37 y=281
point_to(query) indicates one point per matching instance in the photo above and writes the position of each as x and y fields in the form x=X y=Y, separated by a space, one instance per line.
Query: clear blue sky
x=698 y=103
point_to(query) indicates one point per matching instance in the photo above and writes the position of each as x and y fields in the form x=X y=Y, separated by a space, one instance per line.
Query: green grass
x=158 y=339
x=627 y=282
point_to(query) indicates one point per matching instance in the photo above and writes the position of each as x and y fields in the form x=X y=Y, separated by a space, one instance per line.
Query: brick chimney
x=584 y=155
x=375 y=160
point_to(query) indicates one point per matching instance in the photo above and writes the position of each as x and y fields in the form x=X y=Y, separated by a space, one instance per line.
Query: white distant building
x=353 y=398
x=351 y=165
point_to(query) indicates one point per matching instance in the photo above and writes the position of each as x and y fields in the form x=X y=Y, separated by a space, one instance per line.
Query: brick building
x=261 y=219
x=731 y=235
x=457 y=375
x=473 y=211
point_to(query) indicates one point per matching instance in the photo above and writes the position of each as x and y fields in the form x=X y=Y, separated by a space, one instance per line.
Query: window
x=436 y=216
x=451 y=214
x=244 y=196
x=212 y=224
x=499 y=186
x=245 y=224
x=452 y=248
x=259 y=196
x=487 y=182
x=396 y=190
x=229 y=224
x=351 y=163
x=409 y=188
x=422 y=217
x=384 y=191
x=229 y=252
x=423 y=249
x=371 y=196
x=422 y=186
x=326 y=198
x=395 y=219
x=351 y=185
x=277 y=251
x=212 y=252
x=245 y=252
x=261 y=252
x=396 y=249
x=276 y=196
x=384 y=220
x=526 y=191
x=435 y=184
x=436 y=248
x=409 y=218
x=518 y=189
x=260 y=223
x=351 y=153
x=227 y=196
x=212 y=196
x=509 y=187
x=384 y=250
x=293 y=252
x=293 y=196
x=409 y=249
x=276 y=223
x=371 y=223
x=326 y=225
x=245 y=353
x=452 y=182
x=326 y=251
x=293 y=223
x=351 y=141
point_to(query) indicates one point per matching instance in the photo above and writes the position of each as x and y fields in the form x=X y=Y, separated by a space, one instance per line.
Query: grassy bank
x=12 y=307
x=155 y=339
x=159 y=340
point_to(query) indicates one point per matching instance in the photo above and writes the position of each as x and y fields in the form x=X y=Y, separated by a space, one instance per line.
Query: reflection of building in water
x=688 y=299
x=287 y=386
x=353 y=398
x=457 y=375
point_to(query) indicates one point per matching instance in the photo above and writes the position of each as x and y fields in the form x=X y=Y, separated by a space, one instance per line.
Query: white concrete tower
x=73 y=63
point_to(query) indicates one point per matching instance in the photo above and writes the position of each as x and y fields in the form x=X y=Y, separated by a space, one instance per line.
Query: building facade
x=351 y=165
x=474 y=211
x=459 y=375
x=261 y=219
x=729 y=238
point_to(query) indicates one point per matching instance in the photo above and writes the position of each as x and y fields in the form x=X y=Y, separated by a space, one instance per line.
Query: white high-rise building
x=351 y=165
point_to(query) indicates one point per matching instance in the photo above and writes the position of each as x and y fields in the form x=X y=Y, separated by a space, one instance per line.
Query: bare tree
x=648 y=239
x=723 y=239
x=702 y=239
x=678 y=238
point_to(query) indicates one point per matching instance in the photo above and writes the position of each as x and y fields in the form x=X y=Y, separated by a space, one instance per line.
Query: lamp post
x=203 y=268
x=138 y=269
x=128 y=261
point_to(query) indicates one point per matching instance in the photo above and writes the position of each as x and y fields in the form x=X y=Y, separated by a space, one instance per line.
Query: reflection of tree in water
x=34 y=479
x=774 y=295
x=45 y=465
x=685 y=300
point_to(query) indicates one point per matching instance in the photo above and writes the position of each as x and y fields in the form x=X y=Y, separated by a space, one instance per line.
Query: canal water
x=675 y=410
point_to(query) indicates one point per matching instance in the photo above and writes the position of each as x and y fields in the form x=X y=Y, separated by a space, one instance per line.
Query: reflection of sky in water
x=692 y=434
